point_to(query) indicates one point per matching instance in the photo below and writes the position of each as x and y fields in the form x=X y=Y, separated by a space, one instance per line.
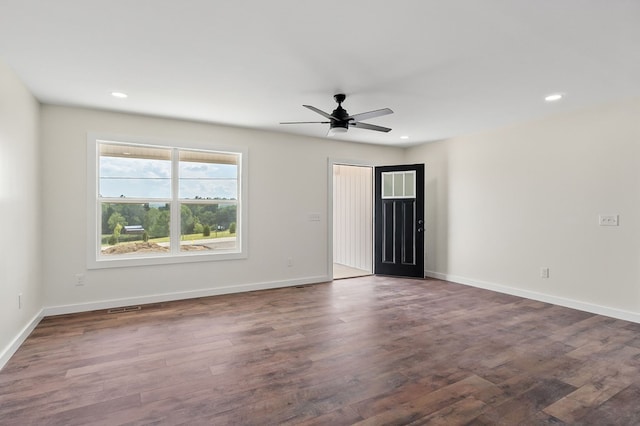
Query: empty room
x=266 y=213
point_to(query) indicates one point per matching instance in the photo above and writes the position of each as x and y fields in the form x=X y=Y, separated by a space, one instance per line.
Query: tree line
x=194 y=219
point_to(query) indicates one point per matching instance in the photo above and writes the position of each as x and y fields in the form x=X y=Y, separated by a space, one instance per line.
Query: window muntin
x=165 y=202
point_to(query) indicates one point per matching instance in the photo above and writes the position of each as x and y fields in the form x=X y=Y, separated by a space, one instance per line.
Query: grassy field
x=191 y=237
x=187 y=237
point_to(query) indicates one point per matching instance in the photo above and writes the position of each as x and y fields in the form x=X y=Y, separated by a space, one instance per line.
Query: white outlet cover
x=608 y=220
x=314 y=217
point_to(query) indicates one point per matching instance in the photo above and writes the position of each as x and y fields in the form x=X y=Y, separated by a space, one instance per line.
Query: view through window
x=165 y=201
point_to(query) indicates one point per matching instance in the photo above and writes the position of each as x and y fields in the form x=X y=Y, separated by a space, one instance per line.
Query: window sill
x=161 y=259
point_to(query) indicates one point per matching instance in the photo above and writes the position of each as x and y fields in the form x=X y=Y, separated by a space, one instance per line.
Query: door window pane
x=398 y=184
x=387 y=185
x=410 y=184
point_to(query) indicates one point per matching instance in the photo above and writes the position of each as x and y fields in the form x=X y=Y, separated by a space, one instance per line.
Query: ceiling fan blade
x=305 y=122
x=370 y=127
x=371 y=114
x=319 y=111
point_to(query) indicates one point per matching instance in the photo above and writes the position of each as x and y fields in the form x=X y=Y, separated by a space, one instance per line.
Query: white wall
x=353 y=216
x=504 y=203
x=20 y=260
x=287 y=181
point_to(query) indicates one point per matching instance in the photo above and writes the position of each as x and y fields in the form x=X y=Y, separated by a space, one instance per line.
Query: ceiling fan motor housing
x=340 y=118
x=340 y=115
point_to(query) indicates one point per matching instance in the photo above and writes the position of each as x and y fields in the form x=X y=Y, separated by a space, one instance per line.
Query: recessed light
x=119 y=95
x=554 y=97
x=404 y=137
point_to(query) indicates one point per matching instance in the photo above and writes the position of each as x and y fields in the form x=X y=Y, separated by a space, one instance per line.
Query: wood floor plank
x=369 y=351
x=458 y=413
x=621 y=409
x=577 y=404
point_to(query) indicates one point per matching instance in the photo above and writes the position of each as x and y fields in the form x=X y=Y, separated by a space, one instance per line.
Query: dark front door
x=399 y=220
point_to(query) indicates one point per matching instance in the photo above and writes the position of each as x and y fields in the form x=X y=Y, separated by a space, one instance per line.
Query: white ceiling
x=446 y=67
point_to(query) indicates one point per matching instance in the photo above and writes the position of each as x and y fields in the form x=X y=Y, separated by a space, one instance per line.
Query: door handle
x=420 y=222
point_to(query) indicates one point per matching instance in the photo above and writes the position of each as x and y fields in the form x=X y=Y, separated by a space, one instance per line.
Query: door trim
x=330 y=163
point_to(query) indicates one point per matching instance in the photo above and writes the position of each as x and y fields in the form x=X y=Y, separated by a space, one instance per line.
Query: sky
x=146 y=178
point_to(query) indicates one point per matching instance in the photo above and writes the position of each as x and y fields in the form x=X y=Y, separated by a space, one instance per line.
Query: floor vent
x=124 y=309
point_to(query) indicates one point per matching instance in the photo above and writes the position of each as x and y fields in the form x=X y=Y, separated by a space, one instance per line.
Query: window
x=399 y=184
x=158 y=204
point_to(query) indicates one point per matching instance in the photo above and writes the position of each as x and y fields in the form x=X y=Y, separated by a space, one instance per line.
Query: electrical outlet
x=608 y=220
x=290 y=262
x=79 y=279
x=19 y=300
x=314 y=217
x=544 y=272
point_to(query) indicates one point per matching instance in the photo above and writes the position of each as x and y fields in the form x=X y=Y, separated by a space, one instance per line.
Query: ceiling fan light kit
x=340 y=120
x=334 y=130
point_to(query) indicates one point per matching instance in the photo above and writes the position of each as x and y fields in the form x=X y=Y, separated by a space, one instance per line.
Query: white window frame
x=95 y=261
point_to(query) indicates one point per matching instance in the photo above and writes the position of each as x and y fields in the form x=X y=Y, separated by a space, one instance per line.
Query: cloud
x=223 y=188
x=145 y=178
x=135 y=177
x=207 y=170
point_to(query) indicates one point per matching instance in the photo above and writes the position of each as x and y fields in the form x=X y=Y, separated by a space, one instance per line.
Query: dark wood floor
x=371 y=350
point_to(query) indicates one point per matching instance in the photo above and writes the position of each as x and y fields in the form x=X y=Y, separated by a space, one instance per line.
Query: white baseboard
x=167 y=297
x=11 y=349
x=541 y=297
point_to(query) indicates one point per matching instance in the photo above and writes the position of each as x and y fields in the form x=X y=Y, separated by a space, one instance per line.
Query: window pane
x=387 y=185
x=131 y=171
x=134 y=228
x=206 y=227
x=208 y=175
x=410 y=184
x=398 y=185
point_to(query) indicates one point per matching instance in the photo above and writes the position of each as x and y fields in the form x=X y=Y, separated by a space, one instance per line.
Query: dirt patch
x=142 y=247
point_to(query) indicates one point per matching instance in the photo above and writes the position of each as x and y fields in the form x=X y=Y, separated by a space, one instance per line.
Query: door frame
x=341 y=162
x=349 y=162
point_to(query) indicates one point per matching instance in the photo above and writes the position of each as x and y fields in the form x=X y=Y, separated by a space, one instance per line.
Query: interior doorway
x=352 y=221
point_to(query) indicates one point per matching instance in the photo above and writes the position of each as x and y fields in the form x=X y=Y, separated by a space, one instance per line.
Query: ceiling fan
x=340 y=120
